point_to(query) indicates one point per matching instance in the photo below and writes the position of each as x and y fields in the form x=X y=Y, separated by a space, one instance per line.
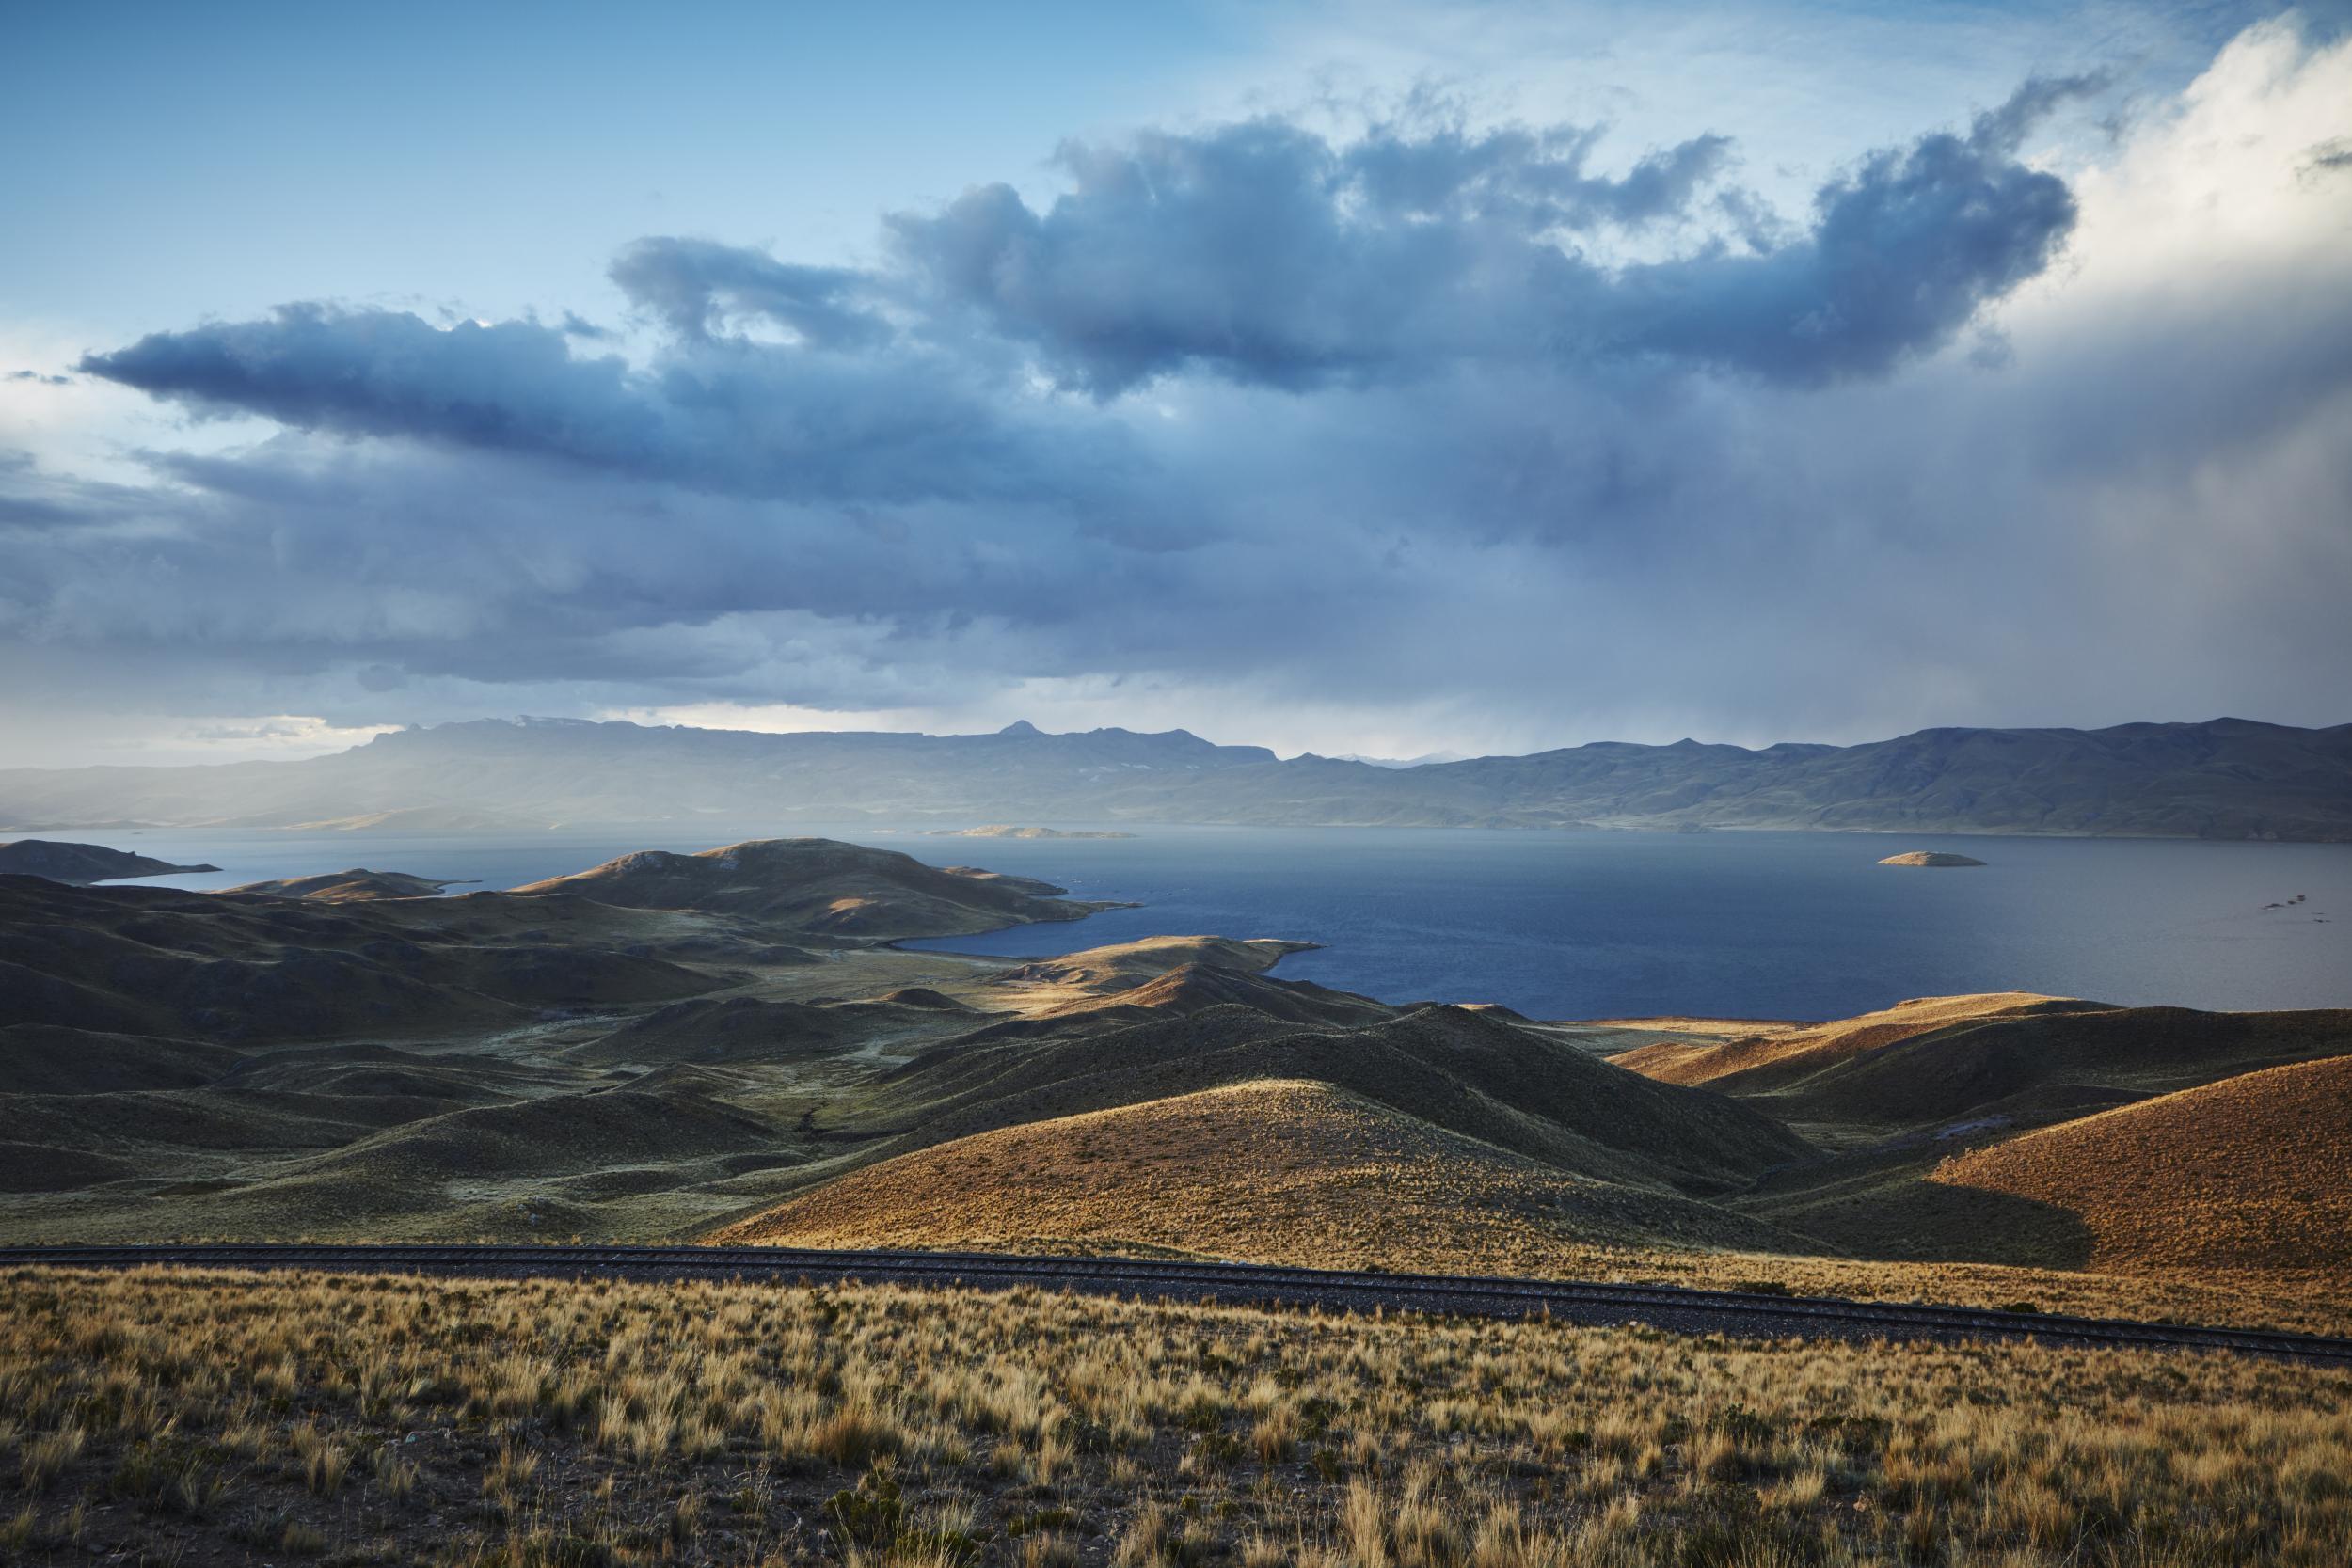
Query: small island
x=1003 y=830
x=1929 y=857
x=356 y=885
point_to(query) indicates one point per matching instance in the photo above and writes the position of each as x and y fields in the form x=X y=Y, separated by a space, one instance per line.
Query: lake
x=1577 y=925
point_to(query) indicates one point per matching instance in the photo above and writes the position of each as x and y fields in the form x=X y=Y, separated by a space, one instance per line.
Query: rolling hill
x=1269 y=1170
x=2253 y=1172
x=155 y=961
x=2009 y=1058
x=1767 y=1059
x=722 y=1043
x=1510 y=1090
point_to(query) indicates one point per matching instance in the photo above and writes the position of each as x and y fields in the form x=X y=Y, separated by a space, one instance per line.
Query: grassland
x=731 y=1048
x=172 y=1418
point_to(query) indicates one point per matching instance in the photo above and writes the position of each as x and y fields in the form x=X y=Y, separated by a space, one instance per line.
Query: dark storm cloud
x=379 y=373
x=738 y=416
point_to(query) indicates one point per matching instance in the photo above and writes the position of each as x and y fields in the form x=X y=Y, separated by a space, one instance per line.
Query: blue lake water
x=1578 y=924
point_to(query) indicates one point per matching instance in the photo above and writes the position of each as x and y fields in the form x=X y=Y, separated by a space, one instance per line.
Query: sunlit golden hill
x=1272 y=1170
x=1955 y=1065
x=2252 y=1173
x=1774 y=1055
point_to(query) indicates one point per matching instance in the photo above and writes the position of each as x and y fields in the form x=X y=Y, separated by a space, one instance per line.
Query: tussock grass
x=472 y=1422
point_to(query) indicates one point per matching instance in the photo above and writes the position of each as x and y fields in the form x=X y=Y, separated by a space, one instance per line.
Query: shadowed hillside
x=748 y=1029
x=161 y=963
x=1469 y=1075
x=79 y=864
x=821 y=887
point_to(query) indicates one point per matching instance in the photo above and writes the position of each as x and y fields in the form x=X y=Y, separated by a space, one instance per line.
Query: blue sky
x=176 y=160
x=1379 y=377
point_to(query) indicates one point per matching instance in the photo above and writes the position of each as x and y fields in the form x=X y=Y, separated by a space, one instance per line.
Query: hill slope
x=79 y=864
x=1268 y=1170
x=1761 y=1061
x=2253 y=1172
x=162 y=962
x=1458 y=1070
x=2010 y=1057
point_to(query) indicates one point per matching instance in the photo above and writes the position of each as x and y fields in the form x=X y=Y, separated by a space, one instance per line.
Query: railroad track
x=1662 y=1306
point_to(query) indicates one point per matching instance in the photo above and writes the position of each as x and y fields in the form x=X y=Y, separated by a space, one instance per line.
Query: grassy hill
x=1762 y=1061
x=1458 y=1070
x=1268 y=1170
x=190 y=965
x=675 y=1045
x=2009 y=1060
x=2250 y=1173
x=750 y=1029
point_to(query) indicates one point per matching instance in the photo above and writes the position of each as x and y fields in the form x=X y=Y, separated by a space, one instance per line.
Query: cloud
x=697 y=286
x=1428 y=435
x=1263 y=253
x=1901 y=255
x=734 y=416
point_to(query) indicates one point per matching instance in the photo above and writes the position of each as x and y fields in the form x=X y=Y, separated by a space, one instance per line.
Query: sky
x=1381 y=378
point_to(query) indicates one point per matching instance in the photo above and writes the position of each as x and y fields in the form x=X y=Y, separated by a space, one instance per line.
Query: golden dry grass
x=1044 y=986
x=1302 y=1173
x=1806 y=1049
x=1270 y=1169
x=203 y=1420
x=2252 y=1173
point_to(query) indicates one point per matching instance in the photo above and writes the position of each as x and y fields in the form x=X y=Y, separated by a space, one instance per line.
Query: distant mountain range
x=2228 y=778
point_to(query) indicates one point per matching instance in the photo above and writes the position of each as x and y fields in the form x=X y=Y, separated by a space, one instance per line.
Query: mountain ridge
x=2223 y=778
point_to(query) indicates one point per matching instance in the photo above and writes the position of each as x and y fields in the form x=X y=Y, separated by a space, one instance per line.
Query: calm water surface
x=1578 y=924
